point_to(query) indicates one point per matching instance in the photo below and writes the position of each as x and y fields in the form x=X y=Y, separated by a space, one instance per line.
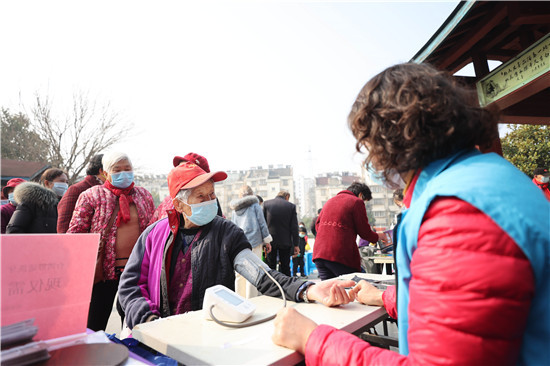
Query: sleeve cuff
x=298 y=296
x=389 y=298
x=268 y=239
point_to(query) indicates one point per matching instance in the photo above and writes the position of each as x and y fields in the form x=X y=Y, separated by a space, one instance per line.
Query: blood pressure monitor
x=227 y=305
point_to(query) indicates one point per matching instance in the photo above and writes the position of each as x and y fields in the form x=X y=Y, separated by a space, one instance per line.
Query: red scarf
x=124 y=200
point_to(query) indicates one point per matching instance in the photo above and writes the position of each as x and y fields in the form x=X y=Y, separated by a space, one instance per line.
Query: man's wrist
x=303 y=294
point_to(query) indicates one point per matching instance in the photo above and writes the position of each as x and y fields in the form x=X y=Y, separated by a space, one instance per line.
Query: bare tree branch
x=86 y=131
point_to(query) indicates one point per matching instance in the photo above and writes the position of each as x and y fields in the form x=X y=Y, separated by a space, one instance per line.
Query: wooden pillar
x=481 y=66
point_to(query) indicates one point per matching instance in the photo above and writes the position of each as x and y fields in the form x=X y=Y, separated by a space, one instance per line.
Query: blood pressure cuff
x=247 y=264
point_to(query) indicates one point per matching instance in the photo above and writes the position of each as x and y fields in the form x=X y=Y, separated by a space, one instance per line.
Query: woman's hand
x=292 y=329
x=331 y=292
x=367 y=294
x=267 y=247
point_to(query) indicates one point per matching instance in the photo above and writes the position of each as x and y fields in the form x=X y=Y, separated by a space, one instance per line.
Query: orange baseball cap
x=189 y=175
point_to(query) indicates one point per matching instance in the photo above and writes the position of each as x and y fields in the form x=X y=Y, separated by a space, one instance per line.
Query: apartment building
x=156 y=184
x=266 y=182
x=328 y=185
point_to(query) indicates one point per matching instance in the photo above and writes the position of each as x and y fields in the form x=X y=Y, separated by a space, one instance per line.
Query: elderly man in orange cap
x=167 y=204
x=177 y=258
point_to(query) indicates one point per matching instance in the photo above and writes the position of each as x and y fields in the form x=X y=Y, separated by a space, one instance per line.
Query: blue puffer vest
x=515 y=204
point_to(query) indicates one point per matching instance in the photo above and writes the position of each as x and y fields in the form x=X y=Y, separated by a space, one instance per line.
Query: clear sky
x=244 y=83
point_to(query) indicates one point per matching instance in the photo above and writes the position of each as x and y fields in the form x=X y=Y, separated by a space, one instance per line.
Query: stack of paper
x=23 y=351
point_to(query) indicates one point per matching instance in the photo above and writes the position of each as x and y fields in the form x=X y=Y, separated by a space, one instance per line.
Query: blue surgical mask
x=545 y=179
x=123 y=179
x=12 y=199
x=60 y=188
x=203 y=213
x=302 y=235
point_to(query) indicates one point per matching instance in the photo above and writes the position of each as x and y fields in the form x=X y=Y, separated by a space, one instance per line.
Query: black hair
x=94 y=165
x=356 y=188
x=398 y=197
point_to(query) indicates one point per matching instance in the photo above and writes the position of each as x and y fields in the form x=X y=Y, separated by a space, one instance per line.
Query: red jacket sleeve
x=329 y=346
x=390 y=301
x=470 y=294
x=65 y=209
x=362 y=222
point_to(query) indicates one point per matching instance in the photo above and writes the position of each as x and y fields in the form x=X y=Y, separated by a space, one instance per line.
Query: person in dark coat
x=298 y=257
x=36 y=210
x=94 y=176
x=282 y=222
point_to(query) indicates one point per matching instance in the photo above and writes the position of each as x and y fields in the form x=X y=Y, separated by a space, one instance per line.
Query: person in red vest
x=540 y=178
x=473 y=275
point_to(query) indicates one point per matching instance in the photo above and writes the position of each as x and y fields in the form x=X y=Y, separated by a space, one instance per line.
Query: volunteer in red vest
x=472 y=256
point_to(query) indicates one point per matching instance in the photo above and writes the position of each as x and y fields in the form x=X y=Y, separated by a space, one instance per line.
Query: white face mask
x=11 y=199
x=60 y=188
x=394 y=180
x=203 y=213
x=545 y=179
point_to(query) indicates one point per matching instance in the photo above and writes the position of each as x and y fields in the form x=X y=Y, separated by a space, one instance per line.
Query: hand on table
x=331 y=292
x=292 y=329
x=366 y=294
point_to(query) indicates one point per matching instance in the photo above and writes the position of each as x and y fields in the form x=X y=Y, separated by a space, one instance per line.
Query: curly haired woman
x=473 y=268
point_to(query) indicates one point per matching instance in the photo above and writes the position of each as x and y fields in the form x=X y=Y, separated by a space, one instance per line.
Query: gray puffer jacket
x=36 y=210
x=248 y=215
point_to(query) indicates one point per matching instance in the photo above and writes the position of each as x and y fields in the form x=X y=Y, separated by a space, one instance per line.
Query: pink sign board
x=48 y=277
